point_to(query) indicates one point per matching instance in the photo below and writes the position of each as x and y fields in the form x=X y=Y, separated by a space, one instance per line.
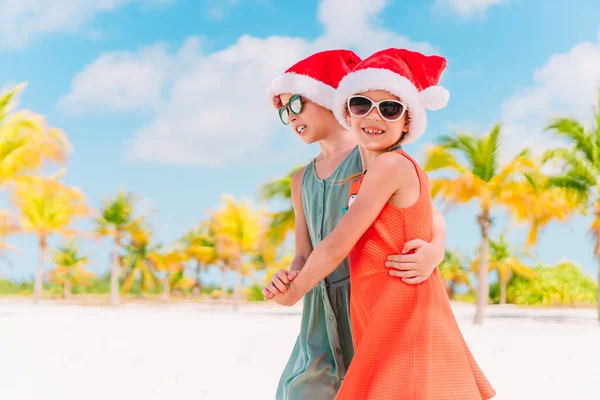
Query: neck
x=367 y=157
x=337 y=139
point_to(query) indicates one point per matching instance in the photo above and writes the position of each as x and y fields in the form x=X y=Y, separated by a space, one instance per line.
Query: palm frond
x=485 y=162
x=575 y=164
x=439 y=157
x=574 y=132
x=576 y=190
x=282 y=223
x=280 y=187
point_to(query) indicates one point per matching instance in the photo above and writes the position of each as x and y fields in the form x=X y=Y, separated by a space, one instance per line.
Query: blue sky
x=166 y=97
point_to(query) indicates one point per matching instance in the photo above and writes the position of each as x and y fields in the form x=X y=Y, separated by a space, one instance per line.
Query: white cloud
x=354 y=23
x=211 y=108
x=125 y=81
x=566 y=85
x=217 y=112
x=468 y=8
x=220 y=8
x=21 y=20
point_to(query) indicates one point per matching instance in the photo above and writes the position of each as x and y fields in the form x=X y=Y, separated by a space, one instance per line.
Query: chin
x=308 y=139
x=372 y=145
x=376 y=147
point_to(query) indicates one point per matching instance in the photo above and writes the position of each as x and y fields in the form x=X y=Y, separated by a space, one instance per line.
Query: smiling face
x=372 y=131
x=313 y=123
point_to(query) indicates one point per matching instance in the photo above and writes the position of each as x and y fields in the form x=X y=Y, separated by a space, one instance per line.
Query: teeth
x=301 y=128
x=373 y=131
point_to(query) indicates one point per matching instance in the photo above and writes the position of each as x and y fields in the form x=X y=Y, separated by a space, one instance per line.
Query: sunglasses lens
x=284 y=115
x=391 y=109
x=296 y=104
x=359 y=106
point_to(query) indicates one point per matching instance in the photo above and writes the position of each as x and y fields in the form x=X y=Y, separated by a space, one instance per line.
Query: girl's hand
x=291 y=297
x=416 y=263
x=279 y=284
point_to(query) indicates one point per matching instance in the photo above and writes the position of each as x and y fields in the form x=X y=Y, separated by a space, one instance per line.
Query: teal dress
x=324 y=348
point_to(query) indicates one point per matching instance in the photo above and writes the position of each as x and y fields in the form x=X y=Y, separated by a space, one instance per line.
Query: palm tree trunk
x=237 y=289
x=483 y=293
x=114 y=272
x=223 y=284
x=598 y=300
x=452 y=292
x=67 y=288
x=167 y=287
x=39 y=276
x=449 y=289
x=503 y=291
x=198 y=284
x=597 y=253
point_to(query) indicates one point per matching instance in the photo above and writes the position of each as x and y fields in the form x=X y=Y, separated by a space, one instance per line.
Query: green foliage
x=563 y=284
x=15 y=288
x=468 y=297
x=255 y=293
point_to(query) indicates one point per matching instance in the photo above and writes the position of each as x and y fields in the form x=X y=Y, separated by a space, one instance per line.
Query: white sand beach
x=196 y=351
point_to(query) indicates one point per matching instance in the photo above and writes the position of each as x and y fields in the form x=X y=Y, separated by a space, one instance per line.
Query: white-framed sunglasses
x=390 y=110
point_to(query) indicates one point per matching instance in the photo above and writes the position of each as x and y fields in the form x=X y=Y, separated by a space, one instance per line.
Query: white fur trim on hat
x=435 y=97
x=382 y=79
x=304 y=85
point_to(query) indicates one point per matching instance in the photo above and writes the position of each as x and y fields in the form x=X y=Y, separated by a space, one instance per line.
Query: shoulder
x=395 y=165
x=297 y=181
x=391 y=162
x=297 y=177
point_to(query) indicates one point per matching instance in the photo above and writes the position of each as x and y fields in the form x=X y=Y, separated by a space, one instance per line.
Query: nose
x=374 y=114
x=292 y=117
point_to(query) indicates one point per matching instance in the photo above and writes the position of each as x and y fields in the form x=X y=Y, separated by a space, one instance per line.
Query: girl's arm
x=416 y=267
x=388 y=173
x=302 y=237
x=280 y=281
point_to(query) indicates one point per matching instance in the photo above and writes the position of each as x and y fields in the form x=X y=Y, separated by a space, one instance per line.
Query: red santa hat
x=411 y=76
x=315 y=77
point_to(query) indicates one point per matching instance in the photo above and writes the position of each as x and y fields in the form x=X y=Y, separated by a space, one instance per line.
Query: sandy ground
x=193 y=351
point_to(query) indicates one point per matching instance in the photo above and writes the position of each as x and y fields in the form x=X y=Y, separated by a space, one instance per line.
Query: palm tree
x=199 y=244
x=47 y=207
x=580 y=175
x=537 y=202
x=237 y=227
x=453 y=271
x=171 y=264
x=115 y=221
x=69 y=269
x=266 y=256
x=26 y=140
x=282 y=222
x=9 y=224
x=481 y=178
x=138 y=260
x=505 y=260
x=229 y=257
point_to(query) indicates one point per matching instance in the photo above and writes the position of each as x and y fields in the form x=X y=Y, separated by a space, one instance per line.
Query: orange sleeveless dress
x=407 y=343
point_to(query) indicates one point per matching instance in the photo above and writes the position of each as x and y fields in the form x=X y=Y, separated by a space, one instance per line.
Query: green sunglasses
x=294 y=105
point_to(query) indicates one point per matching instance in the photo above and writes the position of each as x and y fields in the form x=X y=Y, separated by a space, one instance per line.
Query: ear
x=348 y=120
x=406 y=123
x=276 y=102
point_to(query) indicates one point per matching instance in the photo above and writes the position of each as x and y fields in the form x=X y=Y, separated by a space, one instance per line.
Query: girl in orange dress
x=407 y=342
